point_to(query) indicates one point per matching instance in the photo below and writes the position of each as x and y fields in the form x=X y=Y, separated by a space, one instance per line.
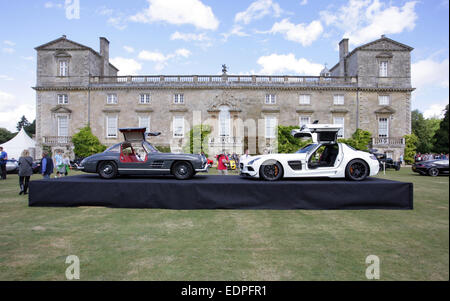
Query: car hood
x=261 y=158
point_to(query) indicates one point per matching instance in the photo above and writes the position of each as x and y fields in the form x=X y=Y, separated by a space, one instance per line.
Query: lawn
x=149 y=244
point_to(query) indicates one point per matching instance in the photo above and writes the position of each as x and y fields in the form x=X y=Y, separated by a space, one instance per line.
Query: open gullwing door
x=136 y=134
x=320 y=133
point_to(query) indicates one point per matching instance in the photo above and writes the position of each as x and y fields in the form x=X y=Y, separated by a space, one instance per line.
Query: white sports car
x=324 y=157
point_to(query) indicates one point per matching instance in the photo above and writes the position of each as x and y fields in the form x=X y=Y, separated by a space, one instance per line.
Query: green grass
x=149 y=244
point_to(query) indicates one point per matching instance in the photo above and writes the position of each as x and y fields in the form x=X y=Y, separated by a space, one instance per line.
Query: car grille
x=157 y=164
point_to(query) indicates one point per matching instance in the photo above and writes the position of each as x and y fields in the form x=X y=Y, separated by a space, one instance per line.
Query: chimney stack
x=104 y=48
x=343 y=48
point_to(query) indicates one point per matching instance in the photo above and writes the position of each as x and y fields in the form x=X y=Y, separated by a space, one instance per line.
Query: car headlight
x=253 y=161
x=373 y=157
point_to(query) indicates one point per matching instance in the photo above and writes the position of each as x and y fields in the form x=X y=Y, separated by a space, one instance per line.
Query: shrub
x=287 y=143
x=360 y=140
x=86 y=143
x=411 y=142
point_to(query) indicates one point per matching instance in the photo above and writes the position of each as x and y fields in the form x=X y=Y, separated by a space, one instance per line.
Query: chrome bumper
x=204 y=169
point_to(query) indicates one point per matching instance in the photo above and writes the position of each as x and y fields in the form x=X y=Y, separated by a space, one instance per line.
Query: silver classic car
x=136 y=156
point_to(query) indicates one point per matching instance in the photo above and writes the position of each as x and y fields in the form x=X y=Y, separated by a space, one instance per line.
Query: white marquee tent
x=16 y=145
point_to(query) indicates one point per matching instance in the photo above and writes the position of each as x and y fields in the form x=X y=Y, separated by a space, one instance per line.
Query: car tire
x=356 y=170
x=182 y=170
x=434 y=172
x=271 y=170
x=107 y=170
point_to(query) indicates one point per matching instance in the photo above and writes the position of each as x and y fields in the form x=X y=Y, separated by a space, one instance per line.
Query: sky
x=287 y=37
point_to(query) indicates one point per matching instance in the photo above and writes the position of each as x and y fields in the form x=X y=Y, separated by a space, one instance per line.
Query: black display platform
x=220 y=192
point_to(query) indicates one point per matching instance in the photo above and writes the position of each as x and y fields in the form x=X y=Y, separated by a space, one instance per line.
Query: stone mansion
x=369 y=88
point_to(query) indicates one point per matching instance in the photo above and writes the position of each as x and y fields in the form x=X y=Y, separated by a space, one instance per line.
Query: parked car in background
x=75 y=163
x=136 y=156
x=432 y=168
x=387 y=162
x=12 y=166
x=324 y=157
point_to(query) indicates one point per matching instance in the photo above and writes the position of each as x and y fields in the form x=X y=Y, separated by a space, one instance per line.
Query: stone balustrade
x=56 y=140
x=392 y=141
x=223 y=80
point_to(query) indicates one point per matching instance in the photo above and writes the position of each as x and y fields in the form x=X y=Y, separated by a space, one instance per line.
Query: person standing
x=60 y=168
x=222 y=160
x=245 y=156
x=3 y=158
x=25 y=171
x=66 y=162
x=401 y=160
x=46 y=166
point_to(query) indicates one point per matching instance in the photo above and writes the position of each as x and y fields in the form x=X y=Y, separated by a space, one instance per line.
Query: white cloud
x=5 y=99
x=183 y=52
x=304 y=2
x=162 y=59
x=117 y=21
x=299 y=33
x=50 y=4
x=10 y=111
x=288 y=64
x=27 y=58
x=188 y=36
x=128 y=49
x=178 y=12
x=236 y=30
x=126 y=66
x=5 y=77
x=9 y=43
x=104 y=11
x=153 y=56
x=258 y=10
x=435 y=110
x=8 y=50
x=364 y=20
x=115 y=18
x=430 y=72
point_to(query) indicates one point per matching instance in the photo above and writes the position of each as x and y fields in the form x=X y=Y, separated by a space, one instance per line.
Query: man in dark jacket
x=3 y=158
x=46 y=166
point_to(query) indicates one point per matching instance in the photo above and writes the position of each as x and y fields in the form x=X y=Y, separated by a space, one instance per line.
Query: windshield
x=149 y=148
x=306 y=149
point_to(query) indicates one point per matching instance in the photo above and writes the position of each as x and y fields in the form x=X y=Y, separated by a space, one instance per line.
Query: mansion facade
x=369 y=88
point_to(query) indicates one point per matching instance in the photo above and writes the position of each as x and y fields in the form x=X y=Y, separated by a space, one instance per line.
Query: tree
x=31 y=128
x=360 y=140
x=424 y=129
x=411 y=142
x=86 y=143
x=288 y=143
x=5 y=135
x=440 y=138
x=198 y=141
x=22 y=123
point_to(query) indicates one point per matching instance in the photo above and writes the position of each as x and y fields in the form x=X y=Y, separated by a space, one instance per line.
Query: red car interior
x=130 y=158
